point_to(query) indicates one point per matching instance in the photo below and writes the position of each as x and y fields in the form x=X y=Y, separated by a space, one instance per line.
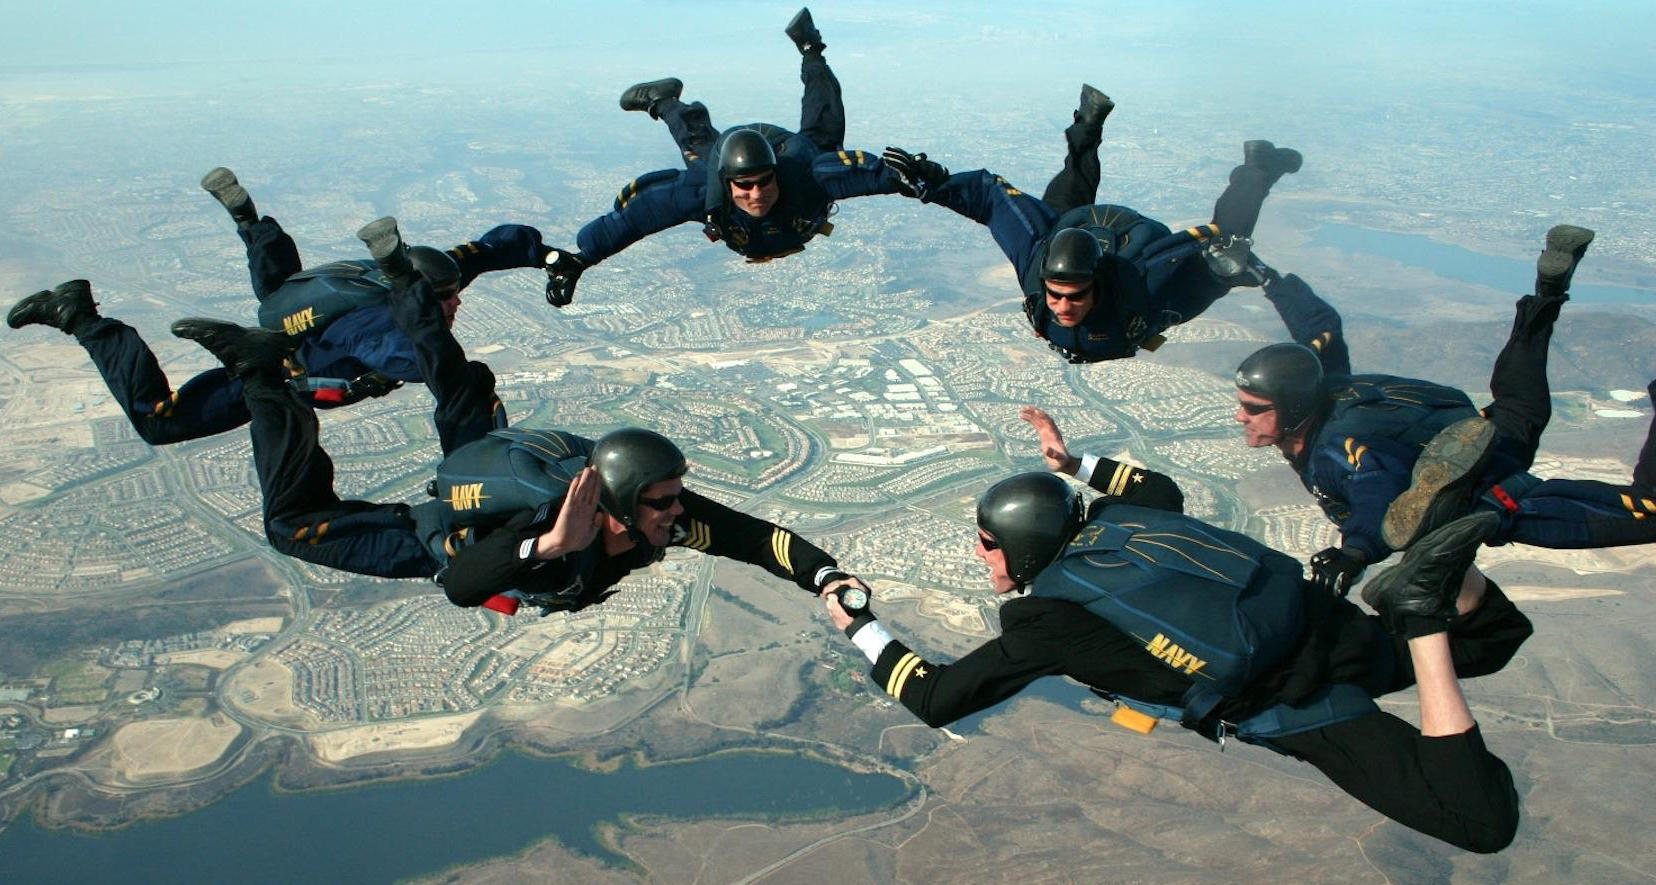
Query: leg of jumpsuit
x=303 y=516
x=467 y=408
x=821 y=109
x=1450 y=788
x=1644 y=472
x=1521 y=402
x=1187 y=288
x=208 y=404
x=1077 y=183
x=1567 y=514
x=271 y=255
x=1578 y=514
x=691 y=128
x=1237 y=209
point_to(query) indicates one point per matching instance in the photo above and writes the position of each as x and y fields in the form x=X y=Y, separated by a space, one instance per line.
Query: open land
x=178 y=651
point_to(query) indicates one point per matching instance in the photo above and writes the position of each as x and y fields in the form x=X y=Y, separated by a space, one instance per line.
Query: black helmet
x=1072 y=256
x=743 y=152
x=436 y=266
x=628 y=460
x=1031 y=516
x=1291 y=377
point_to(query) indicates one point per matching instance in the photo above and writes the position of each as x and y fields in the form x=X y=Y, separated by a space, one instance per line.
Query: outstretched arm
x=849 y=173
x=941 y=693
x=502 y=248
x=717 y=530
x=1135 y=485
x=1017 y=221
x=1311 y=321
x=637 y=215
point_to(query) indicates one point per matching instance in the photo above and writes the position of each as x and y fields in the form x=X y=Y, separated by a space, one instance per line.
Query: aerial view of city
x=164 y=670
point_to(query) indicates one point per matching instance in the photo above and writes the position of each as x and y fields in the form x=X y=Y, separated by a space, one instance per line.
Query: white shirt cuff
x=872 y=638
x=1084 y=473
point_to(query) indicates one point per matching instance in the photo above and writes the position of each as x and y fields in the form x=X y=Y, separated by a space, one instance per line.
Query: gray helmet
x=744 y=152
x=1291 y=377
x=1031 y=516
x=627 y=461
x=1072 y=256
x=438 y=267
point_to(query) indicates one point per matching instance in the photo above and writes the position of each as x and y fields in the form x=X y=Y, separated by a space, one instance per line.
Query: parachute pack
x=311 y=299
x=1407 y=410
x=1215 y=605
x=485 y=482
x=1120 y=231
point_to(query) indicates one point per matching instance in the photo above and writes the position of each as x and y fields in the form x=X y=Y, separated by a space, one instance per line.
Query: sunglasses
x=1257 y=408
x=663 y=503
x=988 y=542
x=1082 y=295
x=752 y=184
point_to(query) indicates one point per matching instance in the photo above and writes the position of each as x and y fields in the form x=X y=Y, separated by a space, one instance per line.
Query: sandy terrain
x=265 y=690
x=408 y=734
x=160 y=748
x=21 y=492
x=254 y=625
x=217 y=658
x=1555 y=594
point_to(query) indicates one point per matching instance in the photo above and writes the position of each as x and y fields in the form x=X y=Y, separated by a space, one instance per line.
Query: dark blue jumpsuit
x=363 y=341
x=305 y=518
x=1356 y=465
x=1153 y=277
x=813 y=170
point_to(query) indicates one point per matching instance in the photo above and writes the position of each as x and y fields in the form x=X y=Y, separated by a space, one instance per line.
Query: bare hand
x=578 y=519
x=1052 y=442
x=836 y=614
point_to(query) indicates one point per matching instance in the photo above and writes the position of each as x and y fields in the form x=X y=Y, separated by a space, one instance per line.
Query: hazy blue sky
x=1606 y=44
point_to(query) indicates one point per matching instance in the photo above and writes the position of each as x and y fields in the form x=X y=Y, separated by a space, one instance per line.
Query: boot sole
x=1440 y=487
x=1569 y=238
x=381 y=236
x=224 y=187
x=1566 y=244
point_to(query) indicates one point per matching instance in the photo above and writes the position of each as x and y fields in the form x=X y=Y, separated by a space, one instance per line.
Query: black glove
x=371 y=384
x=1337 y=568
x=915 y=174
x=561 y=274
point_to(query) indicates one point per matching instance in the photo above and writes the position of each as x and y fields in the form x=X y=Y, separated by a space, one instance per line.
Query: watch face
x=853 y=599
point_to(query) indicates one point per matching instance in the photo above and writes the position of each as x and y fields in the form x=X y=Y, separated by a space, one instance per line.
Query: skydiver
x=348 y=347
x=1387 y=457
x=760 y=189
x=1100 y=282
x=624 y=502
x=1142 y=604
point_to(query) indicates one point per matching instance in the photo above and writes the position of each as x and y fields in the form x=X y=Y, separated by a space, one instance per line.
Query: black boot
x=1275 y=162
x=1417 y=596
x=645 y=96
x=1445 y=476
x=245 y=352
x=385 y=243
x=65 y=307
x=804 y=34
x=1566 y=244
x=224 y=187
x=1094 y=107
